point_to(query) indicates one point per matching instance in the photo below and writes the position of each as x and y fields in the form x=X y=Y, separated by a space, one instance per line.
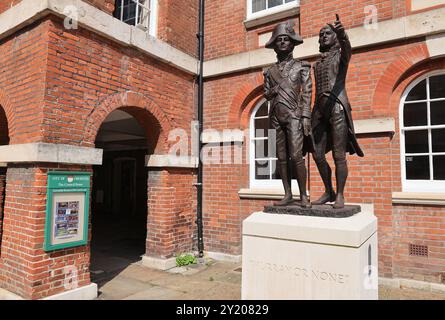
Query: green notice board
x=67 y=208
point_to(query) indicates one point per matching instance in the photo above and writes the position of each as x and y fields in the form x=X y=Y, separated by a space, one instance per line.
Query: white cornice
x=91 y=18
x=50 y=152
x=412 y=26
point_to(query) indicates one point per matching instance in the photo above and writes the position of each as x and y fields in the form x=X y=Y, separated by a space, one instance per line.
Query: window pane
x=438 y=138
x=261 y=149
x=416 y=141
x=437 y=87
x=418 y=92
x=258 y=5
x=274 y=3
x=261 y=127
x=415 y=114
x=437 y=109
x=439 y=167
x=287 y=1
x=262 y=170
x=262 y=111
x=275 y=171
x=417 y=168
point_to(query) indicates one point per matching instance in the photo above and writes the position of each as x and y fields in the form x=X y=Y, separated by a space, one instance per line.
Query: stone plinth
x=306 y=257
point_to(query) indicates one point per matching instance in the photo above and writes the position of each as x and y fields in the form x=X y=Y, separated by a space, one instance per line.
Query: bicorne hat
x=285 y=28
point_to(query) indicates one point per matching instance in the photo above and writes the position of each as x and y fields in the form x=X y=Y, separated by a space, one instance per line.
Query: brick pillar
x=171 y=218
x=2 y=198
x=25 y=268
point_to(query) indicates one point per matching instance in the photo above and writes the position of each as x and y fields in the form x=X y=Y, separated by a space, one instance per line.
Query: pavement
x=208 y=280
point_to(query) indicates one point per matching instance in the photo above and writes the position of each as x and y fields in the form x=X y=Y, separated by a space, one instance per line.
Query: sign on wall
x=67 y=210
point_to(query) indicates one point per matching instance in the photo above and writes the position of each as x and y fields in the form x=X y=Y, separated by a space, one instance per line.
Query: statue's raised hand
x=337 y=27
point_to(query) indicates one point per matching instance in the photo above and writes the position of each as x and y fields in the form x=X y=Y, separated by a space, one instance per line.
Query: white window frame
x=151 y=25
x=275 y=184
x=427 y=186
x=254 y=15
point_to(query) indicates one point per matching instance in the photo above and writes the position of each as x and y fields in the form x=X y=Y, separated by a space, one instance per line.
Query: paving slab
x=208 y=281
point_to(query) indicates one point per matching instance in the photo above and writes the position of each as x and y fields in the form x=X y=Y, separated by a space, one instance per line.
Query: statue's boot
x=284 y=173
x=325 y=172
x=339 y=201
x=341 y=174
x=305 y=203
x=325 y=198
x=301 y=179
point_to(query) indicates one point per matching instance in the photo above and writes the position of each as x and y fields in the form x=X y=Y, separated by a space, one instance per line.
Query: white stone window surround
x=145 y=15
x=275 y=184
x=270 y=14
x=422 y=186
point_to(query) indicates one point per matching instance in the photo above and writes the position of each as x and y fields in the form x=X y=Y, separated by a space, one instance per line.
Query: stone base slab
x=219 y=256
x=7 y=295
x=88 y=292
x=158 y=263
x=302 y=257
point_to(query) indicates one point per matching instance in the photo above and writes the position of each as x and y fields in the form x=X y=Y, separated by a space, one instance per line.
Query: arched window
x=263 y=160
x=422 y=138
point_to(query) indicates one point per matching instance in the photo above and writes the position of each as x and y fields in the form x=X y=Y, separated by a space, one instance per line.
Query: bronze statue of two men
x=328 y=127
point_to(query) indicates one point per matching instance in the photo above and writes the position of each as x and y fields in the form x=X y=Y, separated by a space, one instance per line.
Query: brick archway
x=9 y=118
x=244 y=101
x=139 y=106
x=392 y=76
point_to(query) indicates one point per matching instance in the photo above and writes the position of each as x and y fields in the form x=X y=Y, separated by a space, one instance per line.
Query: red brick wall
x=225 y=33
x=84 y=69
x=419 y=225
x=59 y=83
x=171 y=212
x=23 y=59
x=104 y=5
x=25 y=268
x=178 y=24
x=315 y=14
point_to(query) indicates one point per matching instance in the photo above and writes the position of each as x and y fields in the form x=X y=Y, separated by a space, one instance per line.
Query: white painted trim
x=430 y=186
x=172 y=161
x=219 y=256
x=50 y=152
x=158 y=263
x=91 y=18
x=154 y=18
x=418 y=198
x=88 y=292
x=267 y=16
x=374 y=125
x=412 y=26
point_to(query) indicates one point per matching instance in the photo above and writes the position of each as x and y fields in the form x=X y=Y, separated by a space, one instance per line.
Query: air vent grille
x=418 y=250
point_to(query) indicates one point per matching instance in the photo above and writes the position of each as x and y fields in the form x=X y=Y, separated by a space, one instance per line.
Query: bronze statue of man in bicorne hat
x=332 y=126
x=288 y=87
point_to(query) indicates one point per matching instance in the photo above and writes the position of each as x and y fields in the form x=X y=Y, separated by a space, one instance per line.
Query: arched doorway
x=119 y=197
x=4 y=140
